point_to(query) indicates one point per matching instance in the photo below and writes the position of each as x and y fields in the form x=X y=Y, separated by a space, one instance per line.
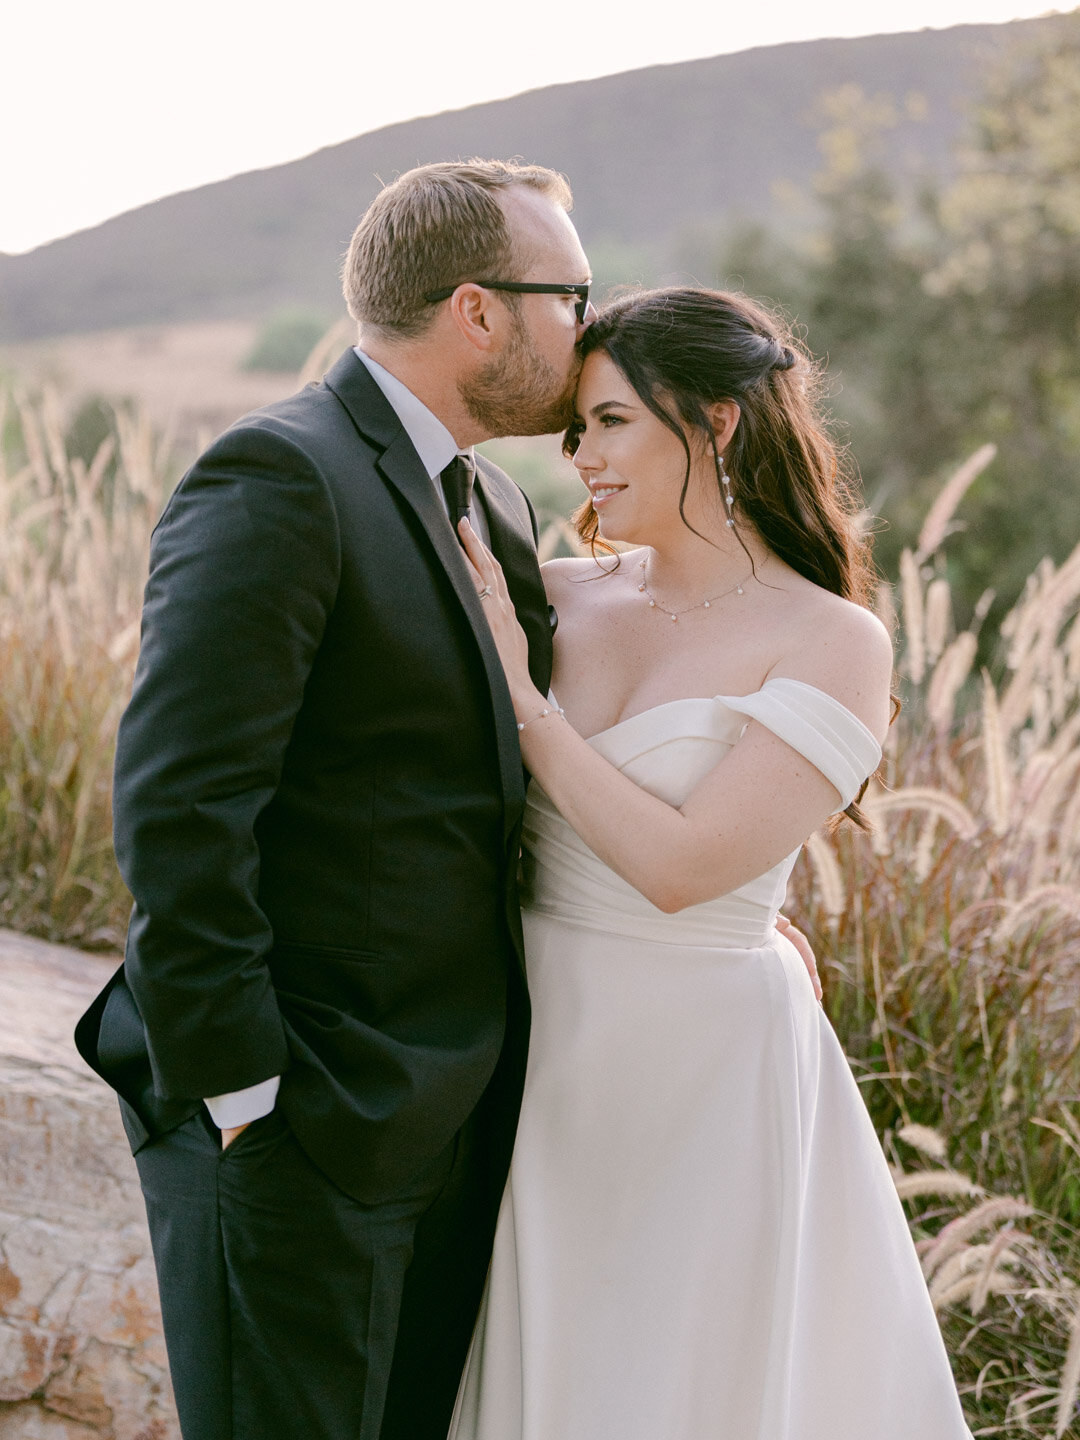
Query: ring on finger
x=484 y=593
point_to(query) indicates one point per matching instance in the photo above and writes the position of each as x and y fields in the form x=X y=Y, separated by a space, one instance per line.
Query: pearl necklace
x=673 y=615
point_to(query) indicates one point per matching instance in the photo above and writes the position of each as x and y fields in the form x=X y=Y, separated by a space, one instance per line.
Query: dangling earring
x=725 y=480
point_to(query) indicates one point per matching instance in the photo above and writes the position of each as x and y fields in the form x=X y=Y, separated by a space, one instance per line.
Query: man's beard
x=520 y=393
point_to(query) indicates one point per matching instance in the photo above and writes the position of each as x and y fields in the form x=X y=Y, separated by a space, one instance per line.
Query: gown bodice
x=668 y=750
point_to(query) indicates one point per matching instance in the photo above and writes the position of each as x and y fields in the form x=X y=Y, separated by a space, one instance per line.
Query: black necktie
x=457 y=483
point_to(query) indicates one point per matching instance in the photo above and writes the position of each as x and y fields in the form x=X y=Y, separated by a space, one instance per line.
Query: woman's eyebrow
x=598 y=410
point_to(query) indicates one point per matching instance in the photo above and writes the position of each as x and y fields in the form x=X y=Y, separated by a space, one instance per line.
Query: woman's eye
x=607 y=421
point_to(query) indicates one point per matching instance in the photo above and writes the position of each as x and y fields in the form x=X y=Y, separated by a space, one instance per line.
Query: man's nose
x=590 y=316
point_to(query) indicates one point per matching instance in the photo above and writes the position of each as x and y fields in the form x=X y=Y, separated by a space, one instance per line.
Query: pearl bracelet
x=558 y=710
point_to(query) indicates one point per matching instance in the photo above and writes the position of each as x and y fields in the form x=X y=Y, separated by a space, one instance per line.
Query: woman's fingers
x=474 y=550
x=802 y=945
x=485 y=567
x=498 y=609
x=487 y=570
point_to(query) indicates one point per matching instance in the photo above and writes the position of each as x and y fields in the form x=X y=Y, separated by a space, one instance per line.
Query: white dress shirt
x=436 y=447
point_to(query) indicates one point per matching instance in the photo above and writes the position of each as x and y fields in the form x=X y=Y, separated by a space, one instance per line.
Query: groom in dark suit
x=318 y=1034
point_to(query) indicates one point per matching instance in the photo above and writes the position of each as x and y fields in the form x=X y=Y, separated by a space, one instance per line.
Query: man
x=319 y=1030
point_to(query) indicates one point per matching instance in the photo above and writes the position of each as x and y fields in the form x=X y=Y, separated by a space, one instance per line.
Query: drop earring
x=725 y=481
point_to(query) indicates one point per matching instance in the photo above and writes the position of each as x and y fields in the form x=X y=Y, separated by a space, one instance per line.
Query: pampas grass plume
x=936 y=525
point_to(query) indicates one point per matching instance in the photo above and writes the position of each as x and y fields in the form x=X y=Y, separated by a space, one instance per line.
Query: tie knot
x=457 y=484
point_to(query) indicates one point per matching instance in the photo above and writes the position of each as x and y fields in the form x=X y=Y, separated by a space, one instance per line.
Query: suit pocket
x=345 y=980
x=344 y=952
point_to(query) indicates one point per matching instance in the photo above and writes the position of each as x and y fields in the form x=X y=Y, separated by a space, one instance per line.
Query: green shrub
x=286 y=340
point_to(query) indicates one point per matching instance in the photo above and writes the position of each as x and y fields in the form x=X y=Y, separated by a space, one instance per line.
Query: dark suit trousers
x=288 y=1305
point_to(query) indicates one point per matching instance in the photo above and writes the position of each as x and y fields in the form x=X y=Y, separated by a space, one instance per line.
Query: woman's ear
x=723 y=417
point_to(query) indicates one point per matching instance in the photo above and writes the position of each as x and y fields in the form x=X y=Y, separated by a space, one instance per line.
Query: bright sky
x=107 y=105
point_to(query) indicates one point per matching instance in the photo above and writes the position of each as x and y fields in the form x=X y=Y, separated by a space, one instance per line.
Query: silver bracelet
x=558 y=710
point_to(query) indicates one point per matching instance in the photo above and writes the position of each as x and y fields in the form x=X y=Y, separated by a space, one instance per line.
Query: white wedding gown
x=699 y=1238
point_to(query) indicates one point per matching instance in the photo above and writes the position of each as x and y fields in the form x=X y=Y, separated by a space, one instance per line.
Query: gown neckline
x=709 y=699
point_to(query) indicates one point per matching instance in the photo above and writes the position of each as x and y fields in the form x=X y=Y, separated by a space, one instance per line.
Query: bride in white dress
x=699 y=1238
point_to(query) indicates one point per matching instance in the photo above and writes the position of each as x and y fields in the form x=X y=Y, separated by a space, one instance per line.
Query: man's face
x=528 y=387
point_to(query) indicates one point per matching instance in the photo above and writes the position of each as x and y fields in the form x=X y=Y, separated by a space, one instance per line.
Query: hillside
x=653 y=154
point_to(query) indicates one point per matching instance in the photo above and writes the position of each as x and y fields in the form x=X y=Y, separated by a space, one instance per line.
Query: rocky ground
x=81 y=1353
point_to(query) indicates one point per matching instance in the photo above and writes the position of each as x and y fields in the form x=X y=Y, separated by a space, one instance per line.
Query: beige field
x=187 y=378
x=189 y=382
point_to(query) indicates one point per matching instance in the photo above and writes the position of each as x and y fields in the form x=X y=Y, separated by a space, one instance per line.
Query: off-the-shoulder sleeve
x=834 y=740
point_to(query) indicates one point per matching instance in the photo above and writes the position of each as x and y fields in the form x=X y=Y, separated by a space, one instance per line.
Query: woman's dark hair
x=684 y=349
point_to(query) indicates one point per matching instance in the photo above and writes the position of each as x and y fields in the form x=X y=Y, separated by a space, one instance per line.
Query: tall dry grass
x=949 y=938
x=950 y=941
x=73 y=544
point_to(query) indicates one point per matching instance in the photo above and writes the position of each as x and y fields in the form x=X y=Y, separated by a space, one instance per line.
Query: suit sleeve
x=243 y=572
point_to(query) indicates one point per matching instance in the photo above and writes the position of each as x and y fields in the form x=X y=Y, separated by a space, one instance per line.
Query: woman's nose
x=584 y=459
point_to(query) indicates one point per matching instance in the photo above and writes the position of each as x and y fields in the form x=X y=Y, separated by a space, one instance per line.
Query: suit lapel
x=401 y=467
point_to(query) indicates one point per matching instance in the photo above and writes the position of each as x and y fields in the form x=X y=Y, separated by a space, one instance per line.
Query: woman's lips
x=601 y=494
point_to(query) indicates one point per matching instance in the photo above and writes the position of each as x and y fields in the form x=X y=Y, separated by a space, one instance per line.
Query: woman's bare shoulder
x=564 y=578
x=845 y=650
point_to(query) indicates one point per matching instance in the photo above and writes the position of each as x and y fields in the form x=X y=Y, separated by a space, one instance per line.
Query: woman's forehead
x=601 y=379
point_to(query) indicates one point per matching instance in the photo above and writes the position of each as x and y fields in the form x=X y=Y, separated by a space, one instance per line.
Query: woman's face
x=632 y=463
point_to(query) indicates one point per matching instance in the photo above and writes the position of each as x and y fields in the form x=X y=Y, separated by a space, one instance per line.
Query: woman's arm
x=757 y=805
x=753 y=808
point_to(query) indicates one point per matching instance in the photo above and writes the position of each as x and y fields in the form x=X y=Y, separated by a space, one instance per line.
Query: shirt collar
x=431 y=439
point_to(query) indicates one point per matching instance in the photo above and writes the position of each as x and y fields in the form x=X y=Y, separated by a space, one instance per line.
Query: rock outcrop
x=81 y=1352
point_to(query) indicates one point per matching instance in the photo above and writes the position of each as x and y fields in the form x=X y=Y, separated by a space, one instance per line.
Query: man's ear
x=723 y=417
x=473 y=310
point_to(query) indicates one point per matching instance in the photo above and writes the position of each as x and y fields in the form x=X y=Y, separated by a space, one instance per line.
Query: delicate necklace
x=673 y=615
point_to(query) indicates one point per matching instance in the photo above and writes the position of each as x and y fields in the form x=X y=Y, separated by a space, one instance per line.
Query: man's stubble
x=521 y=393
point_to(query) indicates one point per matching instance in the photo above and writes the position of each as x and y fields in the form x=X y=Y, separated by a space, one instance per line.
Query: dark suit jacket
x=318 y=796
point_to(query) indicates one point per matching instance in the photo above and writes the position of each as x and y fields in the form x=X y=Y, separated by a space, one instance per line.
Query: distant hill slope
x=651 y=154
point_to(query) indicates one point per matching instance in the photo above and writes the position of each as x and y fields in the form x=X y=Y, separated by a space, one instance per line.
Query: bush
x=286 y=340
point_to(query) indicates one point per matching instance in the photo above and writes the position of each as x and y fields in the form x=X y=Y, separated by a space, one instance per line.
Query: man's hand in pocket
x=229 y=1134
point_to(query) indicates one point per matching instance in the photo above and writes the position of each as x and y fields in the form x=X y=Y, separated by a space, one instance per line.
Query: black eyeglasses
x=520 y=287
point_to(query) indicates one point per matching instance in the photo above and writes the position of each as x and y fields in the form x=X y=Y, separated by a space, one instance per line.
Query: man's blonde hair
x=435 y=226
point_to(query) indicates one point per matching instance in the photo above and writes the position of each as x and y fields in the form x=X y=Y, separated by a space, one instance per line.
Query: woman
x=699 y=1238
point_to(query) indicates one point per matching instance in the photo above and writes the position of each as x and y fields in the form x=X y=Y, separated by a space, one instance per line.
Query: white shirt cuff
x=240 y=1107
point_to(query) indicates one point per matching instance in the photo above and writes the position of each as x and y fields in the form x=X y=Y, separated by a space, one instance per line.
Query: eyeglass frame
x=521 y=287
